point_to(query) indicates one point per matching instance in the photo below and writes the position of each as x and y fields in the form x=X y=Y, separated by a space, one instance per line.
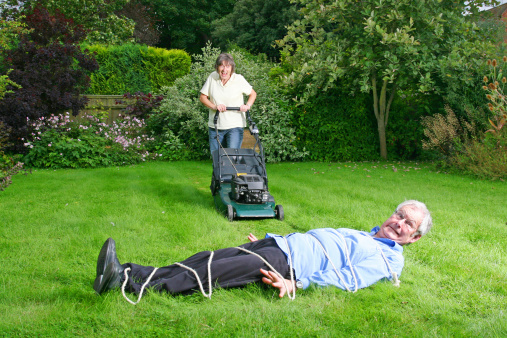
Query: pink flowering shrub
x=59 y=142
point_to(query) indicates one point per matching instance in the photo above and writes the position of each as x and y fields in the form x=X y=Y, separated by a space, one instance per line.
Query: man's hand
x=252 y=238
x=275 y=281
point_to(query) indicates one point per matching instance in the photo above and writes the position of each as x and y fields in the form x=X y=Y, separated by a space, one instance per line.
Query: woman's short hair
x=426 y=223
x=227 y=59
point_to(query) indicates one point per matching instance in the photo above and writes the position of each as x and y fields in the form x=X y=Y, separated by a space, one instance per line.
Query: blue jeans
x=233 y=138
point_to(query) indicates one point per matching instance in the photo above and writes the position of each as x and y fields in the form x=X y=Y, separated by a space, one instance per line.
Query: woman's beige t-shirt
x=231 y=95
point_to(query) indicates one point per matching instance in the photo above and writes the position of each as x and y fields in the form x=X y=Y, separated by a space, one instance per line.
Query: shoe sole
x=109 y=247
x=96 y=283
x=110 y=280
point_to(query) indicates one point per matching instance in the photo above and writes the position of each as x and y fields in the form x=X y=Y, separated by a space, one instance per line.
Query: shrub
x=59 y=142
x=181 y=123
x=9 y=166
x=446 y=133
x=4 y=135
x=486 y=158
x=495 y=89
x=465 y=147
x=51 y=69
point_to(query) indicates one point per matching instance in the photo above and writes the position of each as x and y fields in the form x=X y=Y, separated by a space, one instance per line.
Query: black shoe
x=97 y=282
x=107 y=255
x=110 y=280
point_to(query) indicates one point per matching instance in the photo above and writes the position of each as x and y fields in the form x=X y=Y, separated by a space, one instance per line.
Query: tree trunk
x=382 y=138
x=381 y=108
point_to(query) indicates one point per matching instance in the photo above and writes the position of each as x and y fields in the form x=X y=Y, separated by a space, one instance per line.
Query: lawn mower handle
x=215 y=119
x=253 y=127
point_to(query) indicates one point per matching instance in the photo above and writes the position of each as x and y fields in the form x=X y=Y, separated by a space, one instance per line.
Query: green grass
x=53 y=223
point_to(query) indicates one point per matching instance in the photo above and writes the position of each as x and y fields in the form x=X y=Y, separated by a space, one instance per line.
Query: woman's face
x=224 y=70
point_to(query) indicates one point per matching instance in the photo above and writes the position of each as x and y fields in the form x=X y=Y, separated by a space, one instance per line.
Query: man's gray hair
x=227 y=59
x=426 y=223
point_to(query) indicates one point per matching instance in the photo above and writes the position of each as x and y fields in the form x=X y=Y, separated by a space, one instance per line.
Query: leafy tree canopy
x=97 y=16
x=381 y=46
x=10 y=32
x=186 y=24
x=255 y=25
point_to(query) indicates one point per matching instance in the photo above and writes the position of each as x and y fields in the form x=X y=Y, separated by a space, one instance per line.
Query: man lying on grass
x=348 y=259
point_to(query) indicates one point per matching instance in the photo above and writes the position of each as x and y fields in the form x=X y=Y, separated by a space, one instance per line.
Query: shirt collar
x=392 y=244
x=374 y=231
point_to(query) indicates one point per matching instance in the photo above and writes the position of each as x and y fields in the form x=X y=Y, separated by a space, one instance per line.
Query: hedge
x=335 y=126
x=134 y=68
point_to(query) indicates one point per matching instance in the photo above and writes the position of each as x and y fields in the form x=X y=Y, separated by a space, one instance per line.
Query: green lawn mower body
x=239 y=183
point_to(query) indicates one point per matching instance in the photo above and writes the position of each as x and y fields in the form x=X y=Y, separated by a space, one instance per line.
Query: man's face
x=402 y=225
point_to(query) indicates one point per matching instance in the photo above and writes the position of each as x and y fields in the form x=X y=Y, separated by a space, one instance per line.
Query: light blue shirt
x=311 y=265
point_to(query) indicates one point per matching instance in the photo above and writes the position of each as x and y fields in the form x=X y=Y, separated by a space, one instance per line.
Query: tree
x=255 y=25
x=51 y=69
x=99 y=17
x=145 y=31
x=186 y=24
x=381 y=46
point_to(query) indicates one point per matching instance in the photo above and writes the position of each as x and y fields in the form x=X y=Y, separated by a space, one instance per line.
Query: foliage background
x=255 y=25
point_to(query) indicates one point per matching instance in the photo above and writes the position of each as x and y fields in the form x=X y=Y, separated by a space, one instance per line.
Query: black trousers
x=230 y=267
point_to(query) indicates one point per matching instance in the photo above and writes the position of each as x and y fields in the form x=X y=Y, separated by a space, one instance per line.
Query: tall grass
x=53 y=223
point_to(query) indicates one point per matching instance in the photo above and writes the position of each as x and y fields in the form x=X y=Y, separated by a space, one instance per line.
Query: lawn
x=53 y=223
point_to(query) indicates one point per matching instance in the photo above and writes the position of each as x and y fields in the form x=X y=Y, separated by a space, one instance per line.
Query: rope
x=334 y=267
x=142 y=288
x=179 y=264
x=197 y=276
x=396 y=282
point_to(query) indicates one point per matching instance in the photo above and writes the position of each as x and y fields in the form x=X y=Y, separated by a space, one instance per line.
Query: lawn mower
x=239 y=183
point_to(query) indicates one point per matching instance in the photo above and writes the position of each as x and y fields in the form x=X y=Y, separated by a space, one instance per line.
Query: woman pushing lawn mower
x=239 y=183
x=224 y=88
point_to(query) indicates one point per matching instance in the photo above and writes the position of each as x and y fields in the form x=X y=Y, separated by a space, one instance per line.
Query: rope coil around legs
x=142 y=288
x=197 y=276
x=155 y=269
